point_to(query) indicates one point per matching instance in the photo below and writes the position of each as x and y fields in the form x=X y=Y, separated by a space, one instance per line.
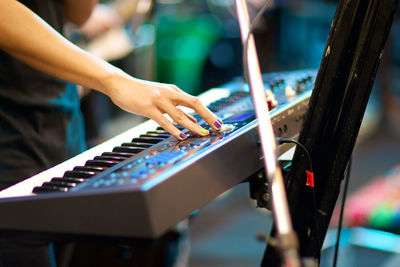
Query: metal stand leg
x=286 y=236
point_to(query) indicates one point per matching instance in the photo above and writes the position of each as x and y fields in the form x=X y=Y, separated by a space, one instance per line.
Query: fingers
x=184 y=119
x=190 y=117
x=166 y=101
x=203 y=111
x=167 y=125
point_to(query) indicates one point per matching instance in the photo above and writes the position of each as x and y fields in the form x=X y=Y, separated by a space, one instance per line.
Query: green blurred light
x=182 y=45
x=382 y=217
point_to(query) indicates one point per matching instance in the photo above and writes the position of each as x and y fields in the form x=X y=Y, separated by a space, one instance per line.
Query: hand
x=152 y=100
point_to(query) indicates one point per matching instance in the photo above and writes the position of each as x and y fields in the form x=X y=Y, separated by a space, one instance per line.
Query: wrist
x=110 y=79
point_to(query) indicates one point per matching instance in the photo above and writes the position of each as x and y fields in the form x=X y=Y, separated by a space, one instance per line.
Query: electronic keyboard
x=143 y=181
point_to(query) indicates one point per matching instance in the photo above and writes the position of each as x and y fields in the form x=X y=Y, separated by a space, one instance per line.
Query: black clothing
x=40 y=120
x=40 y=126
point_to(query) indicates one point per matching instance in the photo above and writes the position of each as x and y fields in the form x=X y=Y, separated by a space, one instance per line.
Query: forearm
x=30 y=39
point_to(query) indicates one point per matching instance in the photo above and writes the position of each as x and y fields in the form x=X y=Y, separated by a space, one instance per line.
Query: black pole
x=347 y=72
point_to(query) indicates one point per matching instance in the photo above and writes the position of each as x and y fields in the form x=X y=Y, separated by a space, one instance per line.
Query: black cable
x=282 y=140
x=346 y=185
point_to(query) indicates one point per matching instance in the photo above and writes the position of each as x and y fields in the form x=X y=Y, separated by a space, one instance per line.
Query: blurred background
x=196 y=45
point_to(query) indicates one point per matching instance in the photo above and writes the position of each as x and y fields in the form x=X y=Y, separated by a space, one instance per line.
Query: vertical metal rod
x=280 y=208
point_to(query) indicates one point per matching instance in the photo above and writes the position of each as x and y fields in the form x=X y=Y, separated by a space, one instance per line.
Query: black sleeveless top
x=40 y=119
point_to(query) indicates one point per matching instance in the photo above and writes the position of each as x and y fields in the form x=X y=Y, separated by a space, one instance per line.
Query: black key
x=198 y=117
x=159 y=135
x=159 y=128
x=137 y=144
x=117 y=154
x=89 y=168
x=150 y=140
x=212 y=109
x=79 y=174
x=158 y=132
x=109 y=158
x=49 y=188
x=69 y=179
x=60 y=184
x=101 y=163
x=128 y=149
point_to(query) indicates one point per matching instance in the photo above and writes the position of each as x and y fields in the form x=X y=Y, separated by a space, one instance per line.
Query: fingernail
x=182 y=135
x=220 y=122
x=204 y=131
x=217 y=124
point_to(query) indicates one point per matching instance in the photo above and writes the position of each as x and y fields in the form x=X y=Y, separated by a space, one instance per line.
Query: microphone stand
x=286 y=237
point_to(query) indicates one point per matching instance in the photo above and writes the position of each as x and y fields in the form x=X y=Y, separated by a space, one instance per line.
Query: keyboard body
x=146 y=194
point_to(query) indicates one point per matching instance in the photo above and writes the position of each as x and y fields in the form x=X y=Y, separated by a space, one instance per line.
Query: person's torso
x=40 y=120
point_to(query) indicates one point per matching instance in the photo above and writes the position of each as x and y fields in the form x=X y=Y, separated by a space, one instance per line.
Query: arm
x=28 y=38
